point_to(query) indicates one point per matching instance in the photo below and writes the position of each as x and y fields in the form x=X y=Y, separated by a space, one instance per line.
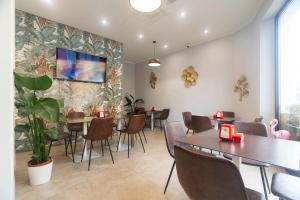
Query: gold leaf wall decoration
x=241 y=86
x=189 y=76
x=152 y=80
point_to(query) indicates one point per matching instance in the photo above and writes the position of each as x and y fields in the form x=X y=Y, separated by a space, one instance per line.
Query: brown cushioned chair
x=207 y=177
x=162 y=116
x=258 y=129
x=99 y=129
x=200 y=124
x=259 y=119
x=75 y=127
x=172 y=131
x=135 y=126
x=62 y=135
x=187 y=119
x=286 y=186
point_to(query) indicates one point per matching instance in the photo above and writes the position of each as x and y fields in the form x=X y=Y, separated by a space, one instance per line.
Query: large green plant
x=132 y=103
x=37 y=110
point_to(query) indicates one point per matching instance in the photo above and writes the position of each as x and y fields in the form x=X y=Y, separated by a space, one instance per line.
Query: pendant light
x=145 y=5
x=154 y=62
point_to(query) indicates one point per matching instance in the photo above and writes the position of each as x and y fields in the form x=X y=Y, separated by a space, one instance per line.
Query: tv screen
x=76 y=66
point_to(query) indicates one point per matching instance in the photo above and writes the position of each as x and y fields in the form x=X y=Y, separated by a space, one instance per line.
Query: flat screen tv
x=76 y=66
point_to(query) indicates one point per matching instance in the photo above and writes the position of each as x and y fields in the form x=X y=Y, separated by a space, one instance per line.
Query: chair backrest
x=251 y=128
x=228 y=114
x=164 y=114
x=136 y=124
x=259 y=119
x=75 y=126
x=187 y=119
x=204 y=176
x=173 y=131
x=100 y=128
x=75 y=115
x=201 y=123
x=140 y=111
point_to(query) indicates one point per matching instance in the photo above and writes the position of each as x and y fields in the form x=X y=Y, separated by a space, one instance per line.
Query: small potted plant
x=37 y=110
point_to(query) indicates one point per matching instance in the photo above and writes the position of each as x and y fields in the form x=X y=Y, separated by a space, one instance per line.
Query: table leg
x=85 y=133
x=237 y=161
x=216 y=125
x=152 y=121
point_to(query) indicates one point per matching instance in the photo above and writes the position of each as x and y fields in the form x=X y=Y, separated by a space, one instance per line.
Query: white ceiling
x=220 y=17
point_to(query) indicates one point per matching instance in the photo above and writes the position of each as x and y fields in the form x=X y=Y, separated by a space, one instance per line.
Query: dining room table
x=277 y=152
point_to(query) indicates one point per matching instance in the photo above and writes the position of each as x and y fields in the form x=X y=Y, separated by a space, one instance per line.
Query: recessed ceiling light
x=182 y=14
x=48 y=1
x=104 y=21
x=206 y=31
x=165 y=46
x=140 y=36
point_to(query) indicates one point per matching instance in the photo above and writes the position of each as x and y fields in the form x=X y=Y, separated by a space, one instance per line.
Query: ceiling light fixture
x=182 y=14
x=206 y=31
x=140 y=36
x=154 y=62
x=145 y=5
x=165 y=46
x=104 y=21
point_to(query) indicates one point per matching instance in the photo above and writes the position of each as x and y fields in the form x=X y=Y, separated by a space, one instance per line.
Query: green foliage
x=37 y=110
x=131 y=104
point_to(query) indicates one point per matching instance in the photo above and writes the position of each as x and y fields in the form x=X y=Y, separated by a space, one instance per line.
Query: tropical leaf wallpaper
x=36 y=42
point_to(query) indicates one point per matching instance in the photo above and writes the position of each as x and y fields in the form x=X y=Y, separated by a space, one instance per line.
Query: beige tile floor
x=142 y=176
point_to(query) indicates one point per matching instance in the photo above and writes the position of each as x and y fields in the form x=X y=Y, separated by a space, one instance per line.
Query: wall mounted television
x=76 y=66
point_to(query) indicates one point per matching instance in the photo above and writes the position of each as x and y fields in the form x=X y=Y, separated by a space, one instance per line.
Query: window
x=288 y=67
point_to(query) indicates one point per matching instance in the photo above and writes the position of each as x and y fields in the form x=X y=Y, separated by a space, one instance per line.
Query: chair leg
x=91 y=147
x=169 y=177
x=70 y=141
x=83 y=150
x=187 y=131
x=124 y=138
x=266 y=179
x=160 y=125
x=49 y=148
x=128 y=144
x=119 y=141
x=141 y=142
x=102 y=148
x=263 y=181
x=112 y=158
x=66 y=150
x=75 y=141
x=193 y=132
x=144 y=136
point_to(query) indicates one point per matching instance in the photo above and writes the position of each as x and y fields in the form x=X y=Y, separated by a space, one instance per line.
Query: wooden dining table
x=277 y=152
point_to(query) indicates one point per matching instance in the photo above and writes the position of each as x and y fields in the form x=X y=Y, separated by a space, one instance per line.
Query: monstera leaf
x=48 y=109
x=33 y=83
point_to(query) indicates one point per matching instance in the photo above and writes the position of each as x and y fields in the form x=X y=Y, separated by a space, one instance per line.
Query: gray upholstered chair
x=286 y=186
x=258 y=129
x=204 y=176
x=200 y=124
x=187 y=119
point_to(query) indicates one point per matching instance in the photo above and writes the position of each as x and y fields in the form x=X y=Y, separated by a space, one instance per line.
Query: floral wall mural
x=36 y=42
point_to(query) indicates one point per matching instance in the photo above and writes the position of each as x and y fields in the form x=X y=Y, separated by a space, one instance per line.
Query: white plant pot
x=40 y=173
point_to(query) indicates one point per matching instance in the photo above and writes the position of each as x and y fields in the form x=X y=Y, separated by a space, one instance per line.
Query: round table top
x=227 y=119
x=80 y=120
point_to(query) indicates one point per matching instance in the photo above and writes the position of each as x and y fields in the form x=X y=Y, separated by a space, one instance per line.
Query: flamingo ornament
x=280 y=134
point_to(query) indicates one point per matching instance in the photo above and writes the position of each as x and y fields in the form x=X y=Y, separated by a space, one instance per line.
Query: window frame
x=277 y=80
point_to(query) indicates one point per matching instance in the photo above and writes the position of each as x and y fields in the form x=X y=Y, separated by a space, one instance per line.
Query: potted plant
x=37 y=110
x=132 y=104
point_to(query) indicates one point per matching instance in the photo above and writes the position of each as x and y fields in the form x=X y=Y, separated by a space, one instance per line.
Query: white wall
x=219 y=63
x=7 y=24
x=128 y=78
x=213 y=91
